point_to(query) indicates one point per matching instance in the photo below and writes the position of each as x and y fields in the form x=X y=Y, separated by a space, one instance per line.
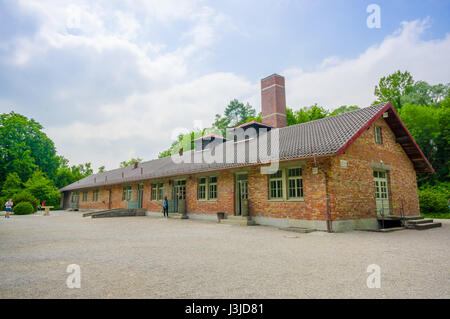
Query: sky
x=114 y=79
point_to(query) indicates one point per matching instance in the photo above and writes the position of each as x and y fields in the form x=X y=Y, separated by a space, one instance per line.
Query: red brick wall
x=314 y=204
x=102 y=202
x=225 y=196
x=353 y=194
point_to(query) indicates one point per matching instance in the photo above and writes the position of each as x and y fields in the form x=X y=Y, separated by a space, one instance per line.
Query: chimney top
x=273 y=101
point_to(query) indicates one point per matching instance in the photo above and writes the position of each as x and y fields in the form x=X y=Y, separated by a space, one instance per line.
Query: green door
x=381 y=193
x=241 y=195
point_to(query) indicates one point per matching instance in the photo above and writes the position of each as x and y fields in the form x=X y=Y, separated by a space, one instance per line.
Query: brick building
x=342 y=172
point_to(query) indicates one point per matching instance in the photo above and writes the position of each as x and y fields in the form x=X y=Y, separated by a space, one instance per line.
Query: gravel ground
x=149 y=257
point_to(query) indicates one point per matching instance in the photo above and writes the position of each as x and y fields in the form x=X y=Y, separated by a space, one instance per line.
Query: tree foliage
x=25 y=196
x=11 y=186
x=392 y=87
x=236 y=113
x=24 y=147
x=130 y=162
x=67 y=175
x=42 y=188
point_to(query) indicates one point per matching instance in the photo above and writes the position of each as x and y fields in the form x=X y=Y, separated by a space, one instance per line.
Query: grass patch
x=437 y=215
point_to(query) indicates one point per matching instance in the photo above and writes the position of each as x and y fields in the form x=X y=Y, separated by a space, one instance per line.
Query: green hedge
x=434 y=199
x=25 y=196
x=23 y=208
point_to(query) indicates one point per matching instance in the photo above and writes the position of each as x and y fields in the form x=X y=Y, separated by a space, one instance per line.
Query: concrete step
x=413 y=217
x=119 y=212
x=298 y=229
x=388 y=230
x=427 y=226
x=232 y=217
x=87 y=214
x=237 y=221
x=178 y=216
x=419 y=221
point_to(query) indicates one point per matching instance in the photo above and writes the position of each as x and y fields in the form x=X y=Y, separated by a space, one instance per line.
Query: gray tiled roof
x=320 y=137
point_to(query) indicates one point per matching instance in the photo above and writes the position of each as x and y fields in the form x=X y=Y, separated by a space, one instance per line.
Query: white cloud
x=351 y=82
x=152 y=117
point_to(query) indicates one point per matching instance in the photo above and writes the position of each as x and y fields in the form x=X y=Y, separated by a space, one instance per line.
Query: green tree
x=185 y=141
x=291 y=119
x=130 y=162
x=236 y=113
x=11 y=186
x=310 y=113
x=344 y=109
x=422 y=93
x=42 y=188
x=67 y=175
x=24 y=147
x=430 y=128
x=392 y=87
x=257 y=117
x=101 y=169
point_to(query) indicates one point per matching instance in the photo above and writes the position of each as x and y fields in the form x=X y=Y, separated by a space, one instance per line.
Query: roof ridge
x=334 y=116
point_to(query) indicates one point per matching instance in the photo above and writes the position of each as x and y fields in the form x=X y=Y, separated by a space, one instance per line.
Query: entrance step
x=387 y=230
x=238 y=220
x=422 y=224
x=420 y=221
x=298 y=229
x=118 y=212
x=178 y=216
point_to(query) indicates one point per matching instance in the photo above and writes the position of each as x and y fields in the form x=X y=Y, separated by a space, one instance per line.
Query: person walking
x=8 y=206
x=166 y=207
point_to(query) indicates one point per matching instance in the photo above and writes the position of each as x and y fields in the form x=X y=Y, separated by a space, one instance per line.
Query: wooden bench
x=47 y=210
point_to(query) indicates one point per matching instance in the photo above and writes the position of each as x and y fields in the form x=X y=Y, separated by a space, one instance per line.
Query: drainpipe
x=327 y=198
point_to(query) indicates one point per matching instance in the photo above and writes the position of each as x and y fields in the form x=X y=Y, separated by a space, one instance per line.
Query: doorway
x=382 y=193
x=75 y=201
x=140 y=195
x=109 y=198
x=241 y=203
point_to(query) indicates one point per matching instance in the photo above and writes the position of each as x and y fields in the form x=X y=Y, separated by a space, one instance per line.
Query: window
x=95 y=195
x=276 y=185
x=160 y=191
x=212 y=188
x=154 y=192
x=378 y=137
x=180 y=189
x=202 y=188
x=85 y=196
x=295 y=185
x=126 y=193
x=207 y=188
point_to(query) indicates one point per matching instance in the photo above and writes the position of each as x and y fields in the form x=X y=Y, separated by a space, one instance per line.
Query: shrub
x=433 y=199
x=2 y=203
x=23 y=208
x=25 y=196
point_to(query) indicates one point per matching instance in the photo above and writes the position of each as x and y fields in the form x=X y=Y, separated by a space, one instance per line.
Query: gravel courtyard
x=149 y=257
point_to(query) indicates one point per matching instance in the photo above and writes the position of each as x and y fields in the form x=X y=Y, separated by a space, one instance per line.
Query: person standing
x=8 y=206
x=166 y=207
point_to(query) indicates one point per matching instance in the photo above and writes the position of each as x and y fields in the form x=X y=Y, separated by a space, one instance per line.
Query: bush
x=25 y=196
x=434 y=199
x=23 y=208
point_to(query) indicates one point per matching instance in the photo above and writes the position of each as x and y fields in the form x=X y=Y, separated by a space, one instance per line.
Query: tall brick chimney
x=273 y=101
